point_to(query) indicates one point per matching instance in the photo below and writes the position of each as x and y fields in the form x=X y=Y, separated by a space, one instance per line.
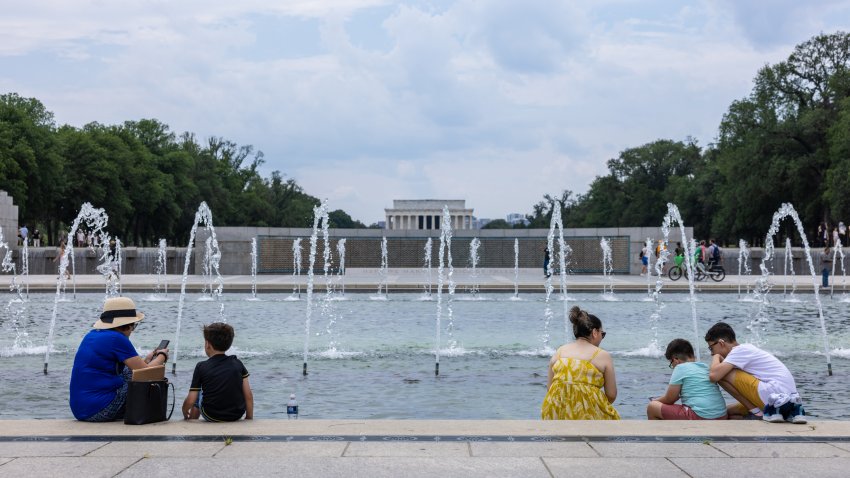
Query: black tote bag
x=147 y=402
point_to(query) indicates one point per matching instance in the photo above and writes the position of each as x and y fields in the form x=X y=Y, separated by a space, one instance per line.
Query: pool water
x=383 y=363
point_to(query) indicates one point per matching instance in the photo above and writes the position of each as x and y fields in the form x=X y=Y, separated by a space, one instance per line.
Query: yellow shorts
x=748 y=386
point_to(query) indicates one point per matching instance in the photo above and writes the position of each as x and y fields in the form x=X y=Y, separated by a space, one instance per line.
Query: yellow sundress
x=576 y=392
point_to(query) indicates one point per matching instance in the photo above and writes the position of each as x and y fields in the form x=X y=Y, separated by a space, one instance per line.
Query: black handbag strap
x=173 y=397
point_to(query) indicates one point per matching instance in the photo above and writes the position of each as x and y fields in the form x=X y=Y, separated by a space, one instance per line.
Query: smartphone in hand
x=162 y=345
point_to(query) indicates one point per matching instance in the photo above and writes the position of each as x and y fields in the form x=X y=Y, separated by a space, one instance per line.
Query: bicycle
x=676 y=271
x=716 y=272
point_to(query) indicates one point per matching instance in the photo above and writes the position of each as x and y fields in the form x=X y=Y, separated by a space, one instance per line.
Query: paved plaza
x=413 y=448
x=414 y=280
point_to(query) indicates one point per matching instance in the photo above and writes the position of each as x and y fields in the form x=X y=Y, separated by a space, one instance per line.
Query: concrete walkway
x=413 y=448
x=413 y=280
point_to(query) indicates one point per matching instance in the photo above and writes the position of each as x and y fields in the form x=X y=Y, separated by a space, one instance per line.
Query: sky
x=365 y=101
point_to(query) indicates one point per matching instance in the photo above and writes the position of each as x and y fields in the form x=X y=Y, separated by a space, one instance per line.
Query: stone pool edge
x=499 y=430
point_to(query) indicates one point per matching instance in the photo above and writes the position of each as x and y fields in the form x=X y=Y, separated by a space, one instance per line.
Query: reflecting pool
x=375 y=358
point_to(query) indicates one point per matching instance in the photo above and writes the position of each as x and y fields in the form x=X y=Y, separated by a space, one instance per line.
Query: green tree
x=640 y=183
x=341 y=219
x=498 y=224
x=31 y=167
x=779 y=144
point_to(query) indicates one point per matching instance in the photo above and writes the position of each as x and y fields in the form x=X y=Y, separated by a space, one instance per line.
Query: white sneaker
x=775 y=418
x=799 y=419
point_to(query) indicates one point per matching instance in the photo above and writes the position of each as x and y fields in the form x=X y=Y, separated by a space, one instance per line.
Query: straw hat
x=118 y=311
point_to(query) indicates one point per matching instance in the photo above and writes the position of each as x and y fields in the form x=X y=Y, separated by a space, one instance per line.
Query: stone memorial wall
x=9 y=219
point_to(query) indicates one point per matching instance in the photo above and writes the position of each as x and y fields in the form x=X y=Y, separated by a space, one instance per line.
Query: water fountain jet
x=254 y=268
x=474 y=245
x=516 y=268
x=763 y=283
x=340 y=249
x=445 y=260
x=161 y=265
x=607 y=268
x=672 y=217
x=838 y=257
x=743 y=265
x=427 y=264
x=320 y=215
x=555 y=222
x=202 y=216
x=383 y=271
x=296 y=266
x=96 y=219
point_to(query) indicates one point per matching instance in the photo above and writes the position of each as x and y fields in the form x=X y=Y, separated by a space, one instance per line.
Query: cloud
x=497 y=102
x=535 y=36
x=768 y=24
x=493 y=182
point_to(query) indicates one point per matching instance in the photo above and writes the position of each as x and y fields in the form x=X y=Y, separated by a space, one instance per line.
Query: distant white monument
x=425 y=214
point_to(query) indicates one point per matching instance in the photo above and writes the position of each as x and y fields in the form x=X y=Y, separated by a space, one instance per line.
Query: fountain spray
x=787 y=210
x=672 y=217
x=556 y=222
x=161 y=277
x=202 y=216
x=383 y=272
x=743 y=265
x=340 y=249
x=253 y=267
x=516 y=268
x=445 y=258
x=607 y=267
x=96 y=219
x=474 y=245
x=427 y=265
x=296 y=266
x=320 y=215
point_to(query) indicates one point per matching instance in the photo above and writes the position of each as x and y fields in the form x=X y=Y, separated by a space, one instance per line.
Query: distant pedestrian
x=836 y=239
x=60 y=251
x=36 y=238
x=644 y=260
x=680 y=254
x=81 y=238
x=546 y=263
x=826 y=265
x=715 y=257
x=661 y=246
x=23 y=233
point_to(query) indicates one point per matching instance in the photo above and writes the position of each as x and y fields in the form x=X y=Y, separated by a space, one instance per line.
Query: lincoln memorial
x=426 y=214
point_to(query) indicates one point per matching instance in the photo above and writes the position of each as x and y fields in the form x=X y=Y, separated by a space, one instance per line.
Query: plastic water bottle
x=292 y=407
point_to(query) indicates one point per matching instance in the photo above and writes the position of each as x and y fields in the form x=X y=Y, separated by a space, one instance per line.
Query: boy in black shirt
x=220 y=391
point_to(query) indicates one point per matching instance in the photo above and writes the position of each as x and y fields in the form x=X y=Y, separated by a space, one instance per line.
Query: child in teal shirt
x=701 y=399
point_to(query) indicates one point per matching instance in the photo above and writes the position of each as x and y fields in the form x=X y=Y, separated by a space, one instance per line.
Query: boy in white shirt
x=755 y=378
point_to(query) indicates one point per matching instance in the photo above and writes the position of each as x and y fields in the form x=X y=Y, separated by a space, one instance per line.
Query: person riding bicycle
x=715 y=258
x=680 y=254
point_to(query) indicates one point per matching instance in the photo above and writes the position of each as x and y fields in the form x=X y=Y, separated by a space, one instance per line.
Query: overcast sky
x=363 y=102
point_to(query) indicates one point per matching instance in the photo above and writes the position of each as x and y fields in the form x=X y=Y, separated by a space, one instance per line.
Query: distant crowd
x=831 y=236
x=35 y=238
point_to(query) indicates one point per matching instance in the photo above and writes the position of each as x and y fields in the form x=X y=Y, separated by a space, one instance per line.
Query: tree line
x=787 y=141
x=149 y=180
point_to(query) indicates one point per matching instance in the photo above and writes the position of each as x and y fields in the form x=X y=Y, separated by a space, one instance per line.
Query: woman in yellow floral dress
x=582 y=384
